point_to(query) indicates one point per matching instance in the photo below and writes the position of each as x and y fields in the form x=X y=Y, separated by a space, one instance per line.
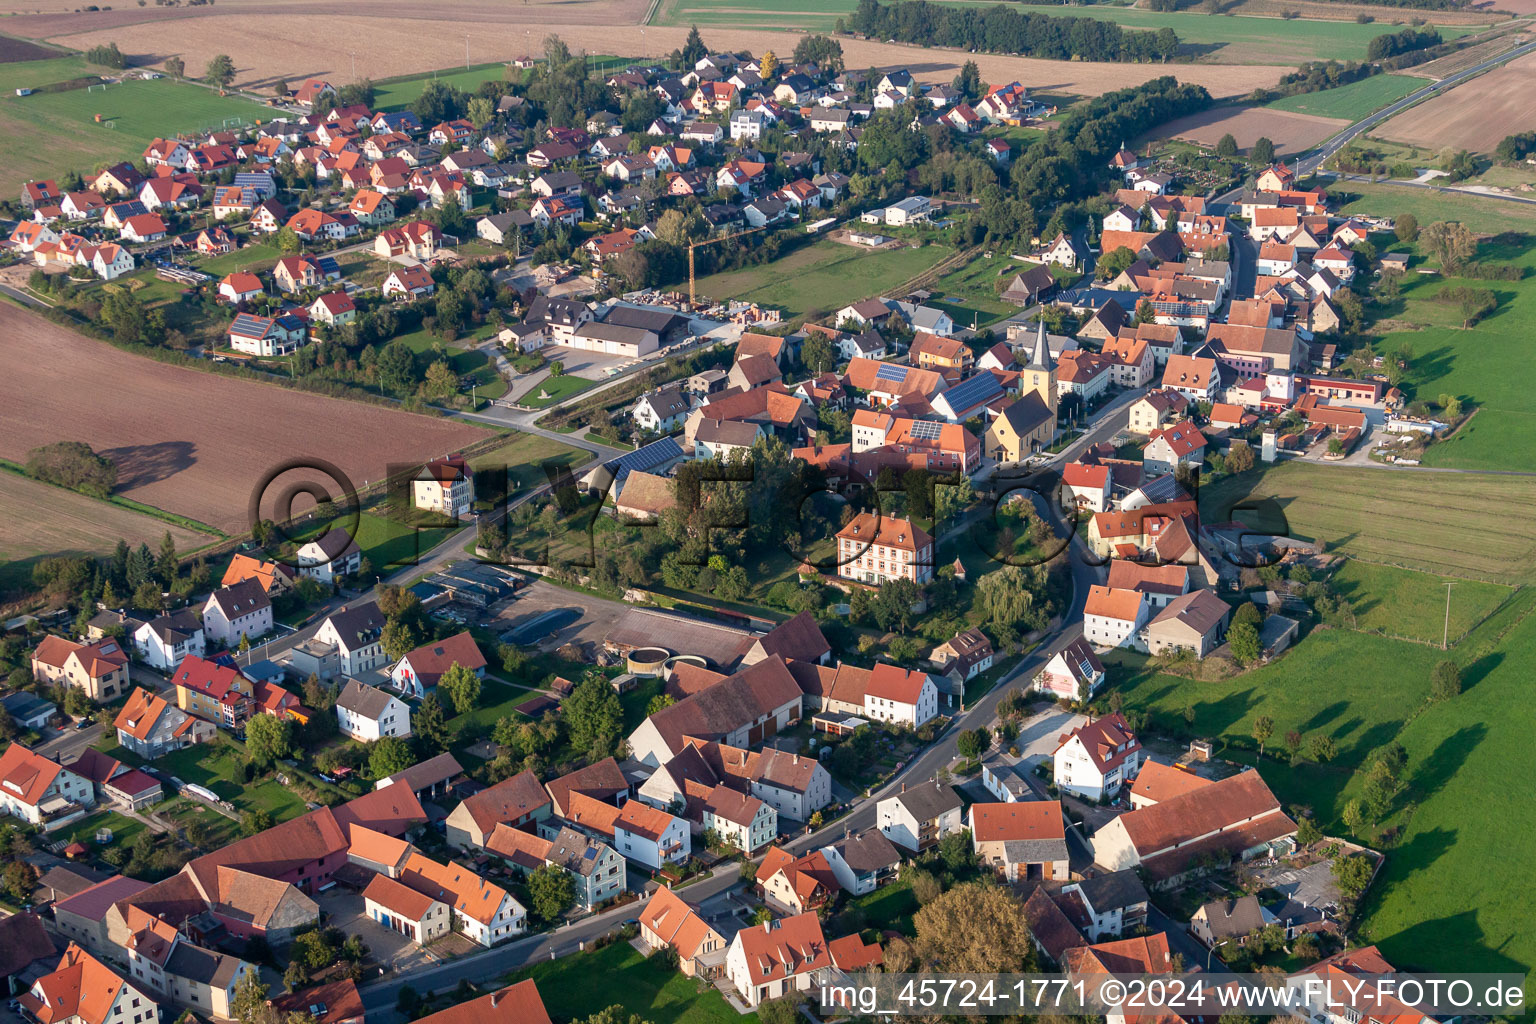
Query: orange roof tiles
x=1032 y=819
x=1113 y=604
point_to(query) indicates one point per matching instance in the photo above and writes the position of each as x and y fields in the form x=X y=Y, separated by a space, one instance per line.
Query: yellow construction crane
x=711 y=241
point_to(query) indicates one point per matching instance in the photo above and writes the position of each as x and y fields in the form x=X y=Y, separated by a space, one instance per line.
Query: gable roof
x=1108 y=741
x=927 y=801
x=675 y=922
x=508 y=800
x=729 y=704
x=1232 y=801
x=601 y=781
x=798 y=638
x=515 y=1004
x=26 y=775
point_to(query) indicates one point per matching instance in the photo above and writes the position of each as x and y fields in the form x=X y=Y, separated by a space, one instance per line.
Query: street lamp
x=1209 y=953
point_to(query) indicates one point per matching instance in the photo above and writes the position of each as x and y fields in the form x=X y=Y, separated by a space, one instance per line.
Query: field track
x=187 y=441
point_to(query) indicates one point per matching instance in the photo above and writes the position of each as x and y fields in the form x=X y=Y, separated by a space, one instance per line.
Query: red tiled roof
x=1031 y=819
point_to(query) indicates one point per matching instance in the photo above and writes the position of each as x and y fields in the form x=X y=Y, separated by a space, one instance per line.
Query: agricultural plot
x=154 y=422
x=38 y=520
x=1290 y=132
x=1474 y=115
x=46 y=133
x=1464 y=525
x=823 y=276
x=1488 y=216
x=1353 y=101
x=1403 y=603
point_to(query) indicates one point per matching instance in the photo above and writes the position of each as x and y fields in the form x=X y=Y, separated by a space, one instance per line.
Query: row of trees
x=1391 y=44
x=1002 y=30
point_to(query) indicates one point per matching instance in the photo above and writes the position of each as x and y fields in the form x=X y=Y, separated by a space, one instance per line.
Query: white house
x=919 y=816
x=663 y=410
x=795 y=787
x=743 y=821
x=778 y=957
x=39 y=791
x=164 y=641
x=1181 y=444
x=650 y=836
x=334 y=553
x=861 y=862
x=239 y=610
x=908 y=211
x=446 y=486
x=1113 y=617
x=355 y=631
x=368 y=713
x=901 y=697
x=484 y=912
x=1097 y=759
x=1069 y=670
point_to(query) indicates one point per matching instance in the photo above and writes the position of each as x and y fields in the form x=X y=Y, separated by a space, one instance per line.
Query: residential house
x=408 y=283
x=355 y=631
x=778 y=958
x=333 y=309
x=515 y=1004
x=1194 y=377
x=920 y=815
x=1113 y=618
x=877 y=549
x=669 y=923
x=739 y=819
x=662 y=410
x=1095 y=760
x=42 y=792
x=596 y=868
x=416 y=239
x=83 y=990
x=1193 y=622
x=796 y=885
x=516 y=802
x=483 y=912
x=166 y=639
x=1155 y=408
x=266 y=335
x=1021 y=840
x=403 y=910
x=99 y=669
x=331 y=555
x=367 y=713
x=963 y=656
x=1167 y=448
x=446 y=486
x=151 y=726
x=900 y=696
x=1085 y=488
x=738 y=711
x=1231 y=920
x=1069 y=671
x=860 y=863
x=240 y=611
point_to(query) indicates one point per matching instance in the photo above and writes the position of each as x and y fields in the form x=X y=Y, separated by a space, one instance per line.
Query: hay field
x=1291 y=132
x=1475 y=115
x=1466 y=525
x=186 y=441
x=38 y=520
x=271 y=40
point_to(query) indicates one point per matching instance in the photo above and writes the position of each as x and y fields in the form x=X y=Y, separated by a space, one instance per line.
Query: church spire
x=1040 y=358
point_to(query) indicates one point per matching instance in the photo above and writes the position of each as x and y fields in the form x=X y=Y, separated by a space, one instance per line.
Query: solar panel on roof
x=926 y=430
x=891 y=372
x=972 y=392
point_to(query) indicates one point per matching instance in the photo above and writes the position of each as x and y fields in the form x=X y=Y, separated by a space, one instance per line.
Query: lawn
x=254 y=257
x=822 y=276
x=656 y=994
x=48 y=133
x=1450 y=896
x=1403 y=603
x=1353 y=101
x=220 y=766
x=393 y=544
x=473 y=363
x=498 y=700
x=524 y=456
x=38 y=520
x=1477 y=213
x=398 y=95
x=552 y=389
x=34 y=74
x=888 y=908
x=967 y=295
x=1467 y=525
x=84 y=831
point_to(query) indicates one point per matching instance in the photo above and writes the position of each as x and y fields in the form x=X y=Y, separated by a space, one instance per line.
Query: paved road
x=70 y=743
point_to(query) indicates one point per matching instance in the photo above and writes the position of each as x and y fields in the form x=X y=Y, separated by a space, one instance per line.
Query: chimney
x=795 y=758
x=495 y=998
x=903 y=787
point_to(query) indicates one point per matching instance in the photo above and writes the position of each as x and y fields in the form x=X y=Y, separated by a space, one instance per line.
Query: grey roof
x=1114 y=891
x=175 y=626
x=201 y=965
x=659 y=322
x=928 y=801
x=1008 y=777
x=362 y=699
x=358 y=621
x=1200 y=610
x=613 y=332
x=241 y=598
x=1232 y=918
x=1034 y=851
x=728 y=432
x=575 y=852
x=335 y=543
x=657 y=453
x=868 y=851
x=22 y=705
x=429 y=772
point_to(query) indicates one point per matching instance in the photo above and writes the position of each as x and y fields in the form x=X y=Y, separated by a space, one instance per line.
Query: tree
x=1007 y=595
x=479 y=111
x=974 y=929
x=429 y=724
x=175 y=67
x=551 y=891
x=250 y=1005
x=593 y=717
x=1145 y=313
x=221 y=70
x=388 y=755
x=73 y=464
x=957 y=851
x=659 y=702
x=1293 y=744
x=268 y=738
x=1239 y=457
x=396 y=368
x=821 y=50
x=1406 y=227
x=1445 y=683
x=693 y=49
x=19 y=880
x=972 y=742
x=769 y=66
x=1322 y=749
x=1449 y=242
x=1263 y=729
x=1227 y=147
x=1353 y=875
x=816 y=352
x=1113 y=263
x=398 y=639
x=1244 y=640
x=1263 y=151
x=462 y=687
x=255 y=822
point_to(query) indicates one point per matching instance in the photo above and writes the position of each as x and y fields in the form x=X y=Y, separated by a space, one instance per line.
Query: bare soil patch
x=1473 y=116
x=15 y=50
x=1469 y=56
x=1290 y=132
x=389 y=40
x=186 y=441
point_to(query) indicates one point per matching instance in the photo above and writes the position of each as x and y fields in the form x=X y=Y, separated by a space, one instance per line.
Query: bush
x=74 y=465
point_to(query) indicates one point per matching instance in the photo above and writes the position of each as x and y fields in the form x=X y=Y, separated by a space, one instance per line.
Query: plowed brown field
x=186 y=441
x=1473 y=116
x=1290 y=132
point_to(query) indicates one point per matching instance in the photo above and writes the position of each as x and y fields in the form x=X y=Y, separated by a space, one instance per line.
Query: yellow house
x=1029 y=424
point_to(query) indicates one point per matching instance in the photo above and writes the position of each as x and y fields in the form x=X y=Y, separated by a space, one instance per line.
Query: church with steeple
x=1029 y=424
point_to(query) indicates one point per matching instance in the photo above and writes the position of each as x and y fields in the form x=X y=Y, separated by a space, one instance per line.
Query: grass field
x=823 y=276
x=220 y=767
x=1403 y=603
x=38 y=520
x=656 y=994
x=1450 y=895
x=966 y=293
x=1478 y=526
x=466 y=361
x=555 y=389
x=401 y=93
x=1353 y=101
x=47 y=133
x=1479 y=214
x=33 y=74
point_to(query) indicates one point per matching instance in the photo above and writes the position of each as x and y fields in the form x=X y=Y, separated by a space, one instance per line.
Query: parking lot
x=581 y=363
x=595 y=616
x=343 y=909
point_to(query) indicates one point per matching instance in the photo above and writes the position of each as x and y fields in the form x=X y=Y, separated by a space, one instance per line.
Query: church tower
x=1040 y=374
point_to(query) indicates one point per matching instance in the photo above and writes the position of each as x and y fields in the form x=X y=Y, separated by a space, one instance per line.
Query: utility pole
x=1445 y=638
x=353 y=55
x=466 y=51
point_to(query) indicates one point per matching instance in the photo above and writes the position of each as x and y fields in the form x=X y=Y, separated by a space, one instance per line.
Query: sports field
x=47 y=133
x=1353 y=101
x=1464 y=525
x=1453 y=895
x=823 y=276
x=38 y=520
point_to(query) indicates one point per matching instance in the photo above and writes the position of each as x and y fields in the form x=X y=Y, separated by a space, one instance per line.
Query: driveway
x=579 y=362
x=1038 y=737
x=344 y=909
